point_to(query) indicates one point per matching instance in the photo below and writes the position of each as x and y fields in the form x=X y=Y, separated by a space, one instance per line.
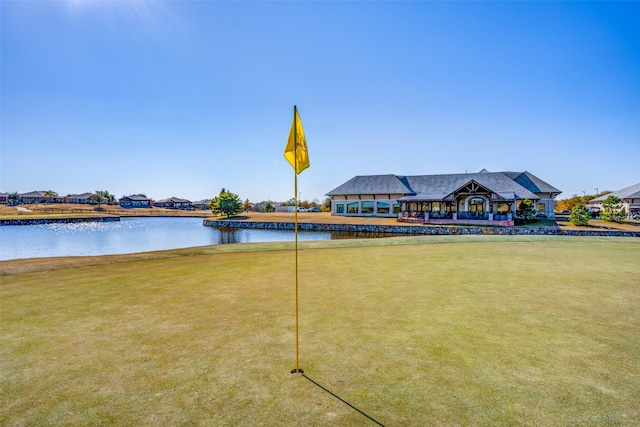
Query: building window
x=476 y=204
x=352 y=207
x=340 y=208
x=503 y=208
x=435 y=207
x=367 y=207
x=396 y=208
x=383 y=208
x=541 y=207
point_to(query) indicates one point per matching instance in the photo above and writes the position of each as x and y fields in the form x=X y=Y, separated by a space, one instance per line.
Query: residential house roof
x=174 y=200
x=631 y=192
x=33 y=194
x=80 y=196
x=136 y=197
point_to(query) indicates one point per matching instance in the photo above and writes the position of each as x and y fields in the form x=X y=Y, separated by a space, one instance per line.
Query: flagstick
x=295 y=198
x=296 y=245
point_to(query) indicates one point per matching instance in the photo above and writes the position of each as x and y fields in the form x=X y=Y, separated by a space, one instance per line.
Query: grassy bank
x=413 y=331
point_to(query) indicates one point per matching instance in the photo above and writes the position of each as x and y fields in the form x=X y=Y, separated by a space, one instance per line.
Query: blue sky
x=182 y=98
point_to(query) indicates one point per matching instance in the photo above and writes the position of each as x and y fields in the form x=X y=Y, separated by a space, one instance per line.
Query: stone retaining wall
x=417 y=230
x=39 y=221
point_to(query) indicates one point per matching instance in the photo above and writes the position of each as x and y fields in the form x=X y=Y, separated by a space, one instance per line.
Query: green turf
x=478 y=330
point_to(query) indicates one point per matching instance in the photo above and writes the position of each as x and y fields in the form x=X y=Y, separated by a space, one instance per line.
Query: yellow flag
x=296 y=150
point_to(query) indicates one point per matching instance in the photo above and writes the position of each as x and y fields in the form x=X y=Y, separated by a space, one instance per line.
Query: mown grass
x=477 y=330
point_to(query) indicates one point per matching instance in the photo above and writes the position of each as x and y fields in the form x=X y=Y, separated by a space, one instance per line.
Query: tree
x=526 y=211
x=109 y=198
x=101 y=196
x=13 y=198
x=226 y=203
x=579 y=215
x=267 y=205
x=568 y=204
x=49 y=195
x=612 y=210
x=326 y=205
x=246 y=205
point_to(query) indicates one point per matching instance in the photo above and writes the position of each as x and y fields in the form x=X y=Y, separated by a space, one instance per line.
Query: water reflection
x=240 y=235
x=129 y=235
x=132 y=235
x=336 y=235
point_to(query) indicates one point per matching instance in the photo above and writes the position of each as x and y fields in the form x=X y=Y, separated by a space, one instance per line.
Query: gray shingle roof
x=521 y=185
x=80 y=196
x=532 y=182
x=173 y=200
x=33 y=194
x=631 y=192
x=136 y=197
x=438 y=187
x=372 y=184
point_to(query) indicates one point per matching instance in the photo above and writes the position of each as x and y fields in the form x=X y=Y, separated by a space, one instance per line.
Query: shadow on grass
x=342 y=400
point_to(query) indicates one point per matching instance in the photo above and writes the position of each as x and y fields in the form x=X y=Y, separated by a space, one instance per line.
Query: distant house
x=135 y=201
x=629 y=196
x=488 y=198
x=4 y=198
x=202 y=204
x=258 y=207
x=33 y=197
x=174 y=203
x=84 y=198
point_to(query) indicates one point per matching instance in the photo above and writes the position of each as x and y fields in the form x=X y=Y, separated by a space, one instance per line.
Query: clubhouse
x=483 y=198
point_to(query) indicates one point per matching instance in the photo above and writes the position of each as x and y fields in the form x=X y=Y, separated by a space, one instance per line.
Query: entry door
x=476 y=205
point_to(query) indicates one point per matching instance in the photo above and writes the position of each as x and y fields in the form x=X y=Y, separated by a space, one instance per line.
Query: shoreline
x=328 y=222
x=66 y=220
x=417 y=230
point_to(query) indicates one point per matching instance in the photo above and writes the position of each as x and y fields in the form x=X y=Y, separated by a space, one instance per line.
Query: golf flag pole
x=298 y=157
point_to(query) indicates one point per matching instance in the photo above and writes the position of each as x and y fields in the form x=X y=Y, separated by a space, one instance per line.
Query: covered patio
x=470 y=204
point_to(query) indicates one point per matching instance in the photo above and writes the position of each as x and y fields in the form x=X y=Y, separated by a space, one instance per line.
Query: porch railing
x=440 y=215
x=473 y=215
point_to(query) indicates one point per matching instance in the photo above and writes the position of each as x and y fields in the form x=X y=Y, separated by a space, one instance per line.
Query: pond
x=129 y=235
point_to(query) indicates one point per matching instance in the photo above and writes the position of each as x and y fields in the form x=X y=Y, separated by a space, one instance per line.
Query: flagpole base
x=297 y=371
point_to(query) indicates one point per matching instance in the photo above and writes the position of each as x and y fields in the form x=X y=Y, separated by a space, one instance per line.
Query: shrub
x=612 y=210
x=526 y=212
x=579 y=215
